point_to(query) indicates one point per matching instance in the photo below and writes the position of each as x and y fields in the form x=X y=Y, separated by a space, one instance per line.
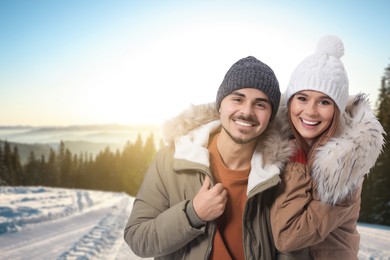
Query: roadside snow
x=53 y=223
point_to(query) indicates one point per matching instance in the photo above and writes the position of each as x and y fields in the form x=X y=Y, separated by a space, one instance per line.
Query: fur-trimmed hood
x=189 y=132
x=341 y=164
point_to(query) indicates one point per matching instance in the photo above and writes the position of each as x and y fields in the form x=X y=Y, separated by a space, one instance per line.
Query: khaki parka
x=159 y=225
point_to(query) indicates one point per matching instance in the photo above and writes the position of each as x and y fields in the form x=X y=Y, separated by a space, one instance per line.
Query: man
x=207 y=195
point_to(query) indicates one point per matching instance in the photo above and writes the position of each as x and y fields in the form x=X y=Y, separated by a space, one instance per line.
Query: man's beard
x=239 y=140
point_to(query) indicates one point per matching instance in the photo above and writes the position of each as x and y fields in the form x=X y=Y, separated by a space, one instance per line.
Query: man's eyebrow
x=236 y=93
x=263 y=100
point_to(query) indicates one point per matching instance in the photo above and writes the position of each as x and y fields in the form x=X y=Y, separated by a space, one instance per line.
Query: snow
x=56 y=223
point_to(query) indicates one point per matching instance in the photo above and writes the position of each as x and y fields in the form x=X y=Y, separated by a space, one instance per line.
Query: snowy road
x=47 y=223
x=49 y=239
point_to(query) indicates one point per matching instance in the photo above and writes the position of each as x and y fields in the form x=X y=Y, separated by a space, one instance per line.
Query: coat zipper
x=244 y=224
x=209 y=224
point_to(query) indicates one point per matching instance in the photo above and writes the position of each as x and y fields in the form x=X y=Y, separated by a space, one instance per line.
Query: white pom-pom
x=330 y=45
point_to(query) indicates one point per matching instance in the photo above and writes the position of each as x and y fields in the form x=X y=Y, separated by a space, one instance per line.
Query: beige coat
x=318 y=211
x=159 y=225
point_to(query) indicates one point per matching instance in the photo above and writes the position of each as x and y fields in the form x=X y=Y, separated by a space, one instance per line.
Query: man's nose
x=247 y=108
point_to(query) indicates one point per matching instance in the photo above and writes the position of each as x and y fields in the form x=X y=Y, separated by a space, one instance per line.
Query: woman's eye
x=325 y=102
x=300 y=98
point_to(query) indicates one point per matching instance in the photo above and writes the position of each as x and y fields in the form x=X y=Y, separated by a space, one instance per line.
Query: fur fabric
x=341 y=164
x=189 y=119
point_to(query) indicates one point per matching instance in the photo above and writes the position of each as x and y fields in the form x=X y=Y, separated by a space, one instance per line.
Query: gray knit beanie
x=249 y=72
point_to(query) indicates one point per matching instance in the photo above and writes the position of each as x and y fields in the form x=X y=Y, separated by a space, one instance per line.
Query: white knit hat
x=323 y=71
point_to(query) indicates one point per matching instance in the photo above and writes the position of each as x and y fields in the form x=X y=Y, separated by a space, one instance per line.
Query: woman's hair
x=311 y=150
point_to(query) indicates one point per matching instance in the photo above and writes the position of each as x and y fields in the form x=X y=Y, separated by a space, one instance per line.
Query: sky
x=70 y=62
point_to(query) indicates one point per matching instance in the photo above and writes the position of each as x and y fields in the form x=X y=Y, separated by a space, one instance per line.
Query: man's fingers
x=206 y=184
x=218 y=188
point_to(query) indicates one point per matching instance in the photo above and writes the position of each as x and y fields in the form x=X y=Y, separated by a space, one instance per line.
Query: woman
x=337 y=140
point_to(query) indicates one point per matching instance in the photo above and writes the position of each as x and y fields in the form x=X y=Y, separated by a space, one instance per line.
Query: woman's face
x=311 y=113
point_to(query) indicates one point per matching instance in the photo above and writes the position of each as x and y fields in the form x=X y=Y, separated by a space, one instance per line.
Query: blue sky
x=94 y=62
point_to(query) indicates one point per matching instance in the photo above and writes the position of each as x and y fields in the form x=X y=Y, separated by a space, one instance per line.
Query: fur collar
x=340 y=166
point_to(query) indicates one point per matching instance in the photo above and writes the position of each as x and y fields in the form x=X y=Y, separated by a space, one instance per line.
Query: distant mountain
x=72 y=128
x=79 y=139
x=112 y=133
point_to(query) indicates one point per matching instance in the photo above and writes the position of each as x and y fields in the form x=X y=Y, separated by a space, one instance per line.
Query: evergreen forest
x=375 y=206
x=118 y=171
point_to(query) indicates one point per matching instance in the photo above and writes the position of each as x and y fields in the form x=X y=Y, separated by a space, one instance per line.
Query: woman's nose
x=311 y=109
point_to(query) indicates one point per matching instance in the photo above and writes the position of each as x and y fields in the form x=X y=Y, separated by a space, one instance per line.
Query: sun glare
x=158 y=80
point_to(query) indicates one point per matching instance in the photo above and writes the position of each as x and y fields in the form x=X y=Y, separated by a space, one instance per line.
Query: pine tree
x=66 y=170
x=376 y=193
x=131 y=166
x=104 y=172
x=60 y=163
x=7 y=172
x=17 y=166
x=32 y=170
x=65 y=166
x=52 y=171
x=2 y=168
x=149 y=149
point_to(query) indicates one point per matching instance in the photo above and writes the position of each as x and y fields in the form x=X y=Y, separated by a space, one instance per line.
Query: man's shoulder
x=166 y=152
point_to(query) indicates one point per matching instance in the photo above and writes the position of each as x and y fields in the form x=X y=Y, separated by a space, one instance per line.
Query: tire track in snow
x=104 y=239
x=50 y=239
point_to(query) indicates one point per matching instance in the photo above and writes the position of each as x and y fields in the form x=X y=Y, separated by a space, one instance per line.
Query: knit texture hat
x=323 y=71
x=249 y=72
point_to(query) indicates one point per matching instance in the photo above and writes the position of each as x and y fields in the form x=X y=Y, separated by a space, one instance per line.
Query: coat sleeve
x=156 y=228
x=299 y=219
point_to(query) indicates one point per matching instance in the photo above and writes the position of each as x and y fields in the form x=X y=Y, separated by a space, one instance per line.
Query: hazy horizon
x=82 y=125
x=109 y=134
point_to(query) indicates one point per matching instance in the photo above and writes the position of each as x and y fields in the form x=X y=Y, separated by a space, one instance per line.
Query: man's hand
x=209 y=203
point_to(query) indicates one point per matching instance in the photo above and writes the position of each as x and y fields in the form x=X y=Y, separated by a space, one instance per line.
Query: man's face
x=245 y=114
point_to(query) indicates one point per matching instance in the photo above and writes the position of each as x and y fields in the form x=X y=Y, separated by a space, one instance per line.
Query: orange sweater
x=228 y=238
